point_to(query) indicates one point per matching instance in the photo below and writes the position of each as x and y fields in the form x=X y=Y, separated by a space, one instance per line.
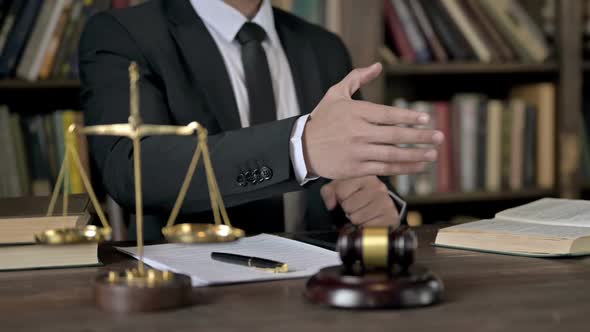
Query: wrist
x=305 y=141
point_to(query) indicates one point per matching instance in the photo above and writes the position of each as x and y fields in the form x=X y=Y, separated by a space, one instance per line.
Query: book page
x=195 y=259
x=551 y=211
x=522 y=228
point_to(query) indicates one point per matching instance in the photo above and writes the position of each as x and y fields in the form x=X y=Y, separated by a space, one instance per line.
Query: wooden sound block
x=141 y=295
x=332 y=287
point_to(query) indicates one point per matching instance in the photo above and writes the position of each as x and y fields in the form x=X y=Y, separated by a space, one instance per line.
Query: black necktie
x=268 y=212
x=258 y=79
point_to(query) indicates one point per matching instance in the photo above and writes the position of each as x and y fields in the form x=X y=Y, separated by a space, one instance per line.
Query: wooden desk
x=484 y=292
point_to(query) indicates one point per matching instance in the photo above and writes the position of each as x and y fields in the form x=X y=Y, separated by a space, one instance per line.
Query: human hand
x=346 y=138
x=365 y=200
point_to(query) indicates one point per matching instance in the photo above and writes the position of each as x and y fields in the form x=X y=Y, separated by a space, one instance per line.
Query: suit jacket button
x=256 y=177
x=249 y=177
x=266 y=173
x=241 y=180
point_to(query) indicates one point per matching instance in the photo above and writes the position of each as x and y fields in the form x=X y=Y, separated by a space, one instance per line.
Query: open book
x=544 y=228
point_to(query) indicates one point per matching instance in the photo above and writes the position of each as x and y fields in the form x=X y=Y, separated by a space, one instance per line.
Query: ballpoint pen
x=256 y=262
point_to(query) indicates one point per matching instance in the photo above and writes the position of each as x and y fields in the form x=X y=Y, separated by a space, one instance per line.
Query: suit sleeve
x=106 y=49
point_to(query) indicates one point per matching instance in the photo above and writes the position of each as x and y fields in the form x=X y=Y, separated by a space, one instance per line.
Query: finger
x=383 y=206
x=358 y=77
x=390 y=115
x=346 y=188
x=391 y=153
x=386 y=169
x=401 y=135
x=359 y=200
x=328 y=193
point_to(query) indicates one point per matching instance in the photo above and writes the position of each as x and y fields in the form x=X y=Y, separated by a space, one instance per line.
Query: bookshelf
x=565 y=69
x=8 y=85
x=362 y=28
x=470 y=197
x=471 y=68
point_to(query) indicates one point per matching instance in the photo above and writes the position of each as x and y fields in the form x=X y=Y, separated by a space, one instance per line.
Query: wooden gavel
x=370 y=249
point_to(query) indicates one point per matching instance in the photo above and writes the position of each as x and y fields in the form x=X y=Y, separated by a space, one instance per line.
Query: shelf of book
x=16 y=84
x=470 y=197
x=461 y=68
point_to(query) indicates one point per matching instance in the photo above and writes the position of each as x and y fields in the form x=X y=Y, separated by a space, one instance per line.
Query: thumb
x=358 y=77
x=328 y=193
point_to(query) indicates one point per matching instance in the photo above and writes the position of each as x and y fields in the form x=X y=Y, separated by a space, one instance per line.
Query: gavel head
x=376 y=248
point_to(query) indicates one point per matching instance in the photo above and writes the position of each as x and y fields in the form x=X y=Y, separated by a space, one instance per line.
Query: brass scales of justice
x=141 y=288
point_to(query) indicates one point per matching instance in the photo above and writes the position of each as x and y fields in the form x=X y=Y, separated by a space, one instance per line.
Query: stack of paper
x=195 y=260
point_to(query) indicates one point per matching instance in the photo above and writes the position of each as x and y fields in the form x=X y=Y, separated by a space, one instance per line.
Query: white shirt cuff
x=296 y=152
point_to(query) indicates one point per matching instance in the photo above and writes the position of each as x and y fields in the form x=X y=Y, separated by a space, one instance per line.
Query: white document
x=195 y=259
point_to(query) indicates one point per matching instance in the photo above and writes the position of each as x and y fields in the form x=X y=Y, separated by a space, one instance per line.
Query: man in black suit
x=250 y=74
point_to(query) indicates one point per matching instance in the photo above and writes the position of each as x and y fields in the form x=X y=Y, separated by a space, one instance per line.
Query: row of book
x=39 y=39
x=33 y=149
x=423 y=31
x=491 y=145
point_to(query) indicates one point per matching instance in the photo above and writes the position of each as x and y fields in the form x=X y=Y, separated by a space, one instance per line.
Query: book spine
x=410 y=28
x=543 y=97
x=434 y=42
x=496 y=40
x=530 y=146
x=467 y=106
x=452 y=38
x=40 y=182
x=517 y=147
x=51 y=150
x=493 y=146
x=12 y=172
x=4 y=144
x=18 y=37
x=506 y=146
x=21 y=155
x=481 y=143
x=32 y=59
x=443 y=120
x=399 y=38
x=519 y=29
x=68 y=38
x=9 y=22
x=57 y=38
x=466 y=28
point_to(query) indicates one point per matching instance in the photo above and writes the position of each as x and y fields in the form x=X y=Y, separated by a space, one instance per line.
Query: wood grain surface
x=484 y=292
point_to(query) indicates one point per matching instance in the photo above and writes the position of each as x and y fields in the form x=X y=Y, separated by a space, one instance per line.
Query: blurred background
x=504 y=79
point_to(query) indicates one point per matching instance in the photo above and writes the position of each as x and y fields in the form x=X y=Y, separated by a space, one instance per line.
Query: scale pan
x=201 y=233
x=74 y=235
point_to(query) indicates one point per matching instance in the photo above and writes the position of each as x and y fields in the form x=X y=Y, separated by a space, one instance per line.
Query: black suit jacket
x=184 y=79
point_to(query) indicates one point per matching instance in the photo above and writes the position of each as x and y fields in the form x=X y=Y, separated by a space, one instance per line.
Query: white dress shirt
x=223 y=23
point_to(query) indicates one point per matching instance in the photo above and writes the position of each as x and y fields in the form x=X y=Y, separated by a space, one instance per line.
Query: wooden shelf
x=471 y=197
x=452 y=68
x=16 y=84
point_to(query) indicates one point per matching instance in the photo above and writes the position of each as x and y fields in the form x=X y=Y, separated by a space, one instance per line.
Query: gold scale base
x=154 y=290
x=132 y=291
